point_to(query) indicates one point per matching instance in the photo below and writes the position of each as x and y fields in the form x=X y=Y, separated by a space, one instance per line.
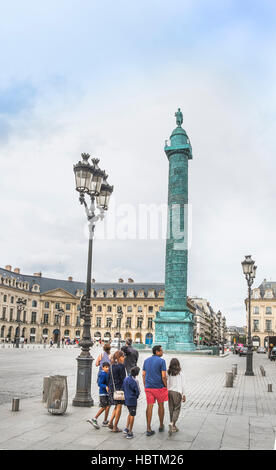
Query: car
x=243 y=351
x=261 y=349
x=273 y=354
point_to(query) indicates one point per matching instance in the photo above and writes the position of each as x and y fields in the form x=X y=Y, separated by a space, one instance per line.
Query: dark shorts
x=132 y=410
x=104 y=401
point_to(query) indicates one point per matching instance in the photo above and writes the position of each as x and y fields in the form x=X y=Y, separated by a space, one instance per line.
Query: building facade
x=263 y=313
x=209 y=326
x=40 y=320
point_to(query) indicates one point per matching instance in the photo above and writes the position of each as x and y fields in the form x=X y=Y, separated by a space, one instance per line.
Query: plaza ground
x=213 y=417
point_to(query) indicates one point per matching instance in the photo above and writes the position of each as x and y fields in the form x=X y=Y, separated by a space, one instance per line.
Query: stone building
x=209 y=326
x=263 y=313
x=138 y=303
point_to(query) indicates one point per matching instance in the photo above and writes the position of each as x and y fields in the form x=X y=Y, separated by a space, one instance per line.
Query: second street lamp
x=249 y=270
x=90 y=182
x=20 y=303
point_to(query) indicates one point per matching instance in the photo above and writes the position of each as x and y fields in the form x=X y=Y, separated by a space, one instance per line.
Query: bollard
x=269 y=387
x=229 y=379
x=15 y=404
x=235 y=369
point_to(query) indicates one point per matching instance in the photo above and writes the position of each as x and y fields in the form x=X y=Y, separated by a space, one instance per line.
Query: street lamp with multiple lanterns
x=20 y=304
x=249 y=270
x=91 y=182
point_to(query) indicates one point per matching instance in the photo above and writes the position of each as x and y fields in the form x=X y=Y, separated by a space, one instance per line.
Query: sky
x=106 y=78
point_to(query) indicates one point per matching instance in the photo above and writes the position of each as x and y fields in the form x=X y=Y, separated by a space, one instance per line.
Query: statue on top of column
x=179 y=117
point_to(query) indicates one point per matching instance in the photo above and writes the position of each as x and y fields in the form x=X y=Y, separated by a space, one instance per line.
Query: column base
x=174 y=330
x=83 y=394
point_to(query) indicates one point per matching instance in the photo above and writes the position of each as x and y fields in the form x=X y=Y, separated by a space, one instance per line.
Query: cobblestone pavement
x=214 y=417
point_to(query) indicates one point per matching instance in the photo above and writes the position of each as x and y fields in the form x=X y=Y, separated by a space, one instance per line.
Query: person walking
x=103 y=381
x=116 y=380
x=176 y=389
x=131 y=355
x=155 y=383
x=132 y=392
x=103 y=357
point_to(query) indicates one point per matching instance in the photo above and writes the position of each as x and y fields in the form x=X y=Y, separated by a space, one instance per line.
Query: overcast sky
x=106 y=78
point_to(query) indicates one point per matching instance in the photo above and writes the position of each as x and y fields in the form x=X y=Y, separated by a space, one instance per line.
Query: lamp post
x=249 y=270
x=60 y=314
x=90 y=182
x=119 y=319
x=140 y=321
x=21 y=303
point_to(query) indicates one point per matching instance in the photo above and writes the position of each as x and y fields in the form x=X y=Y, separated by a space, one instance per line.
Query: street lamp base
x=249 y=373
x=83 y=394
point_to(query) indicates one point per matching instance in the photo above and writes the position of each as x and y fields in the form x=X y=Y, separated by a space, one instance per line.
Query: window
x=268 y=310
x=256 y=310
x=12 y=300
x=78 y=321
x=47 y=304
x=66 y=333
x=4 y=313
x=45 y=318
x=150 y=322
x=139 y=322
x=45 y=331
x=34 y=303
x=128 y=322
x=150 y=309
x=33 y=318
x=5 y=298
x=24 y=316
x=68 y=307
x=57 y=305
x=256 y=325
x=67 y=320
x=98 y=322
x=129 y=308
x=99 y=308
x=11 y=314
x=108 y=322
x=119 y=322
x=268 y=325
x=109 y=308
x=140 y=308
x=56 y=320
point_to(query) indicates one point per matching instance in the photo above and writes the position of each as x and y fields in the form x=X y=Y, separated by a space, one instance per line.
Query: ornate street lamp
x=119 y=320
x=90 y=182
x=60 y=314
x=140 y=322
x=20 y=303
x=249 y=270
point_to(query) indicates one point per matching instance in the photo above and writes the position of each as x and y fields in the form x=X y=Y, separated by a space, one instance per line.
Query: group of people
x=118 y=385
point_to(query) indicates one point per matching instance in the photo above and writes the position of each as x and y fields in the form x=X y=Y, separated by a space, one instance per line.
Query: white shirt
x=176 y=383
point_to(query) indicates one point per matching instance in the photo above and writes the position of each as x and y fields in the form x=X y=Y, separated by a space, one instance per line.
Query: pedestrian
x=176 y=389
x=103 y=381
x=116 y=394
x=132 y=392
x=51 y=342
x=105 y=356
x=155 y=383
x=131 y=355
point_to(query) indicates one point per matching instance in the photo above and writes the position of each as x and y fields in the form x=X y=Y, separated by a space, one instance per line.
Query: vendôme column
x=174 y=323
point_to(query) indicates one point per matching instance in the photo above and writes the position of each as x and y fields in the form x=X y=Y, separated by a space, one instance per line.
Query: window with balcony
x=256 y=310
x=47 y=305
x=140 y=308
x=45 y=318
x=256 y=325
x=34 y=303
x=4 y=309
x=67 y=320
x=99 y=308
x=98 y=322
x=56 y=320
x=33 y=317
x=139 y=322
x=57 y=305
x=11 y=314
x=150 y=322
x=128 y=322
x=129 y=308
x=68 y=307
x=109 y=308
x=268 y=325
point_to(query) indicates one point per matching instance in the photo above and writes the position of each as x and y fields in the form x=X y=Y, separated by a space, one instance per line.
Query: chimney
x=70 y=278
x=8 y=267
x=17 y=270
x=38 y=274
x=120 y=280
x=130 y=280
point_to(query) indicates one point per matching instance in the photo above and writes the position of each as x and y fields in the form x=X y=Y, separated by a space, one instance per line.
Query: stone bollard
x=15 y=404
x=262 y=370
x=229 y=379
x=269 y=387
x=235 y=369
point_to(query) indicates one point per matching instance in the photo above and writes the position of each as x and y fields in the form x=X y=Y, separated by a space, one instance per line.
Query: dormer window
x=110 y=293
x=151 y=293
x=268 y=294
x=130 y=293
x=36 y=288
x=141 y=293
x=120 y=293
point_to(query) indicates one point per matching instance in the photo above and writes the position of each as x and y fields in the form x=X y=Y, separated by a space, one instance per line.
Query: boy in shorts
x=103 y=380
x=132 y=392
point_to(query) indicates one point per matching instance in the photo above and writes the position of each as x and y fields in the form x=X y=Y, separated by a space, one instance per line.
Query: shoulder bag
x=117 y=394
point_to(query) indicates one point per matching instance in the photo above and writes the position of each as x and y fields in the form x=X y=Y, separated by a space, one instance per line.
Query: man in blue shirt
x=155 y=383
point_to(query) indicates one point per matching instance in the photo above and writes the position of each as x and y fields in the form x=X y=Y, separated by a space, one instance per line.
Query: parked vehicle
x=238 y=348
x=273 y=354
x=271 y=344
x=261 y=349
x=243 y=351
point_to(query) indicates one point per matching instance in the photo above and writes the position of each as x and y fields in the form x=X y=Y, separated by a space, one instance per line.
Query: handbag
x=117 y=394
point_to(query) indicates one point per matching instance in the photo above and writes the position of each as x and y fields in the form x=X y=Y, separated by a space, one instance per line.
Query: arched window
x=34 y=303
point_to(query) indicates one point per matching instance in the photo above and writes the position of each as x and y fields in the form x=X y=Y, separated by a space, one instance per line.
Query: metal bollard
x=15 y=404
x=269 y=387
x=229 y=379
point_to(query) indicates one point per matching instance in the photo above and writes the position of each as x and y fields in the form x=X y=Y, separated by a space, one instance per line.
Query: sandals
x=116 y=430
